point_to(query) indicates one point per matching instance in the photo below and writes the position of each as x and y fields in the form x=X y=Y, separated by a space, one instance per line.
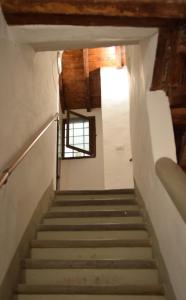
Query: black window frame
x=92 y=126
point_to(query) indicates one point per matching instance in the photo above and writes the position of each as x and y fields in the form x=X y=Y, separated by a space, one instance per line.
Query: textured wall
x=152 y=138
x=28 y=98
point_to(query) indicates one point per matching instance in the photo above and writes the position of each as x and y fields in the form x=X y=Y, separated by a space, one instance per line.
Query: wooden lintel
x=86 y=20
x=137 y=13
x=123 y=8
x=86 y=74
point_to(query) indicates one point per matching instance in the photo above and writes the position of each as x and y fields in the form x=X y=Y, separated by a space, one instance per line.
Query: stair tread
x=97 y=192
x=91 y=290
x=93 y=227
x=95 y=243
x=90 y=213
x=90 y=264
x=131 y=273
x=96 y=202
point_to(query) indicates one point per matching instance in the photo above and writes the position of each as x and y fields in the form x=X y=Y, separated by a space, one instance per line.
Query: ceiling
x=80 y=80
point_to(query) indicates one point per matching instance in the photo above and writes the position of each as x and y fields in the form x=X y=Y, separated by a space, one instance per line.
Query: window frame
x=92 y=125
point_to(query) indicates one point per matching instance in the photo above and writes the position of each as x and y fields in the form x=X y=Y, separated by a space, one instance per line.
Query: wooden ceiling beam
x=179 y=116
x=86 y=20
x=86 y=74
x=94 y=12
x=122 y=8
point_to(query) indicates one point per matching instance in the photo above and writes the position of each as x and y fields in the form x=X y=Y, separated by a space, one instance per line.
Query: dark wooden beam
x=86 y=74
x=123 y=8
x=85 y=20
x=94 y=12
x=163 y=60
x=177 y=96
x=182 y=153
x=179 y=116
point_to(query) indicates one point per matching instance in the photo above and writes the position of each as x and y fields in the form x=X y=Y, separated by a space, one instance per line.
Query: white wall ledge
x=174 y=181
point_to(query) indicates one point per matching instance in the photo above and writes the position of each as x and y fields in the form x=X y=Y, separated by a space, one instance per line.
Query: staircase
x=91 y=246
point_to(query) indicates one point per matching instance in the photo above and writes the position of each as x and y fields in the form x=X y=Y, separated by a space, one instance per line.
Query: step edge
x=91 y=290
x=94 y=243
x=89 y=264
x=101 y=192
x=93 y=227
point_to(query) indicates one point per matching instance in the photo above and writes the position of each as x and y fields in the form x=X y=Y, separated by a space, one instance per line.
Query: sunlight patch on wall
x=118 y=91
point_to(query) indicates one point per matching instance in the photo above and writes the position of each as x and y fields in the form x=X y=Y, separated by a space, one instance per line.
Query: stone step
x=89 y=276
x=84 y=208
x=92 y=253
x=91 y=235
x=89 y=264
x=94 y=195
x=96 y=202
x=93 y=220
x=93 y=227
x=89 y=297
x=96 y=243
x=124 y=290
x=93 y=214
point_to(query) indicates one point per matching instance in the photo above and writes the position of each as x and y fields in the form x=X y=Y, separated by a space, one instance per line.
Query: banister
x=174 y=181
x=25 y=150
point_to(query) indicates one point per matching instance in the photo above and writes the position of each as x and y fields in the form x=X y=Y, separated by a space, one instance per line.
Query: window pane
x=86 y=124
x=78 y=154
x=78 y=132
x=78 y=140
x=71 y=140
x=71 y=132
x=80 y=146
x=68 y=155
x=78 y=125
x=86 y=139
x=87 y=147
x=67 y=150
x=86 y=131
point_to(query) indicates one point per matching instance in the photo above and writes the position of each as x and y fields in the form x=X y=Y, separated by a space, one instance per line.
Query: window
x=79 y=136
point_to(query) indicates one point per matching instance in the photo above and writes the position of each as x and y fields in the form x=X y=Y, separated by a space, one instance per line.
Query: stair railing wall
x=173 y=179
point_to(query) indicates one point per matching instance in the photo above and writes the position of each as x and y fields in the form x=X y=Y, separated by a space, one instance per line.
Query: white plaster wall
x=55 y=37
x=88 y=173
x=152 y=137
x=28 y=98
x=118 y=172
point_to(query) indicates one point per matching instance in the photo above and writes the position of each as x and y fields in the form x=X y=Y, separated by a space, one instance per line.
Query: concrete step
x=94 y=243
x=89 y=264
x=83 y=208
x=97 y=291
x=89 y=297
x=97 y=202
x=94 y=214
x=90 y=235
x=94 y=196
x=87 y=277
x=92 y=253
x=93 y=220
x=93 y=227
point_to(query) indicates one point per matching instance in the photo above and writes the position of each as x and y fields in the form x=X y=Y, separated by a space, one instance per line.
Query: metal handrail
x=16 y=160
